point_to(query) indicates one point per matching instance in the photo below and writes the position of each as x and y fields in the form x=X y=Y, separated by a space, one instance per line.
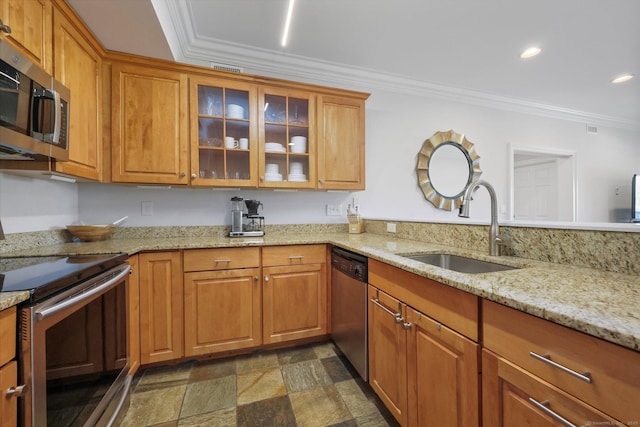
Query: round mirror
x=447 y=164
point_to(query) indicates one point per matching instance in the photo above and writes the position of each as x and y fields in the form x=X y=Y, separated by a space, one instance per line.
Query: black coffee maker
x=252 y=223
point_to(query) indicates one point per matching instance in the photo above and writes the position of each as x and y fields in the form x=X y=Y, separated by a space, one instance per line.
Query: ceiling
x=462 y=49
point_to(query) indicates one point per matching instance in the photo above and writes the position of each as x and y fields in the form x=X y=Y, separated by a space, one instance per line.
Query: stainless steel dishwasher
x=349 y=307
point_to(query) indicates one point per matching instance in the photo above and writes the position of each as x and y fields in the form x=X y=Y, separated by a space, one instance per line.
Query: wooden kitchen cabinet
x=222 y=303
x=133 y=313
x=150 y=138
x=30 y=22
x=514 y=397
x=341 y=161
x=219 y=109
x=285 y=114
x=78 y=66
x=8 y=368
x=573 y=375
x=423 y=358
x=161 y=306
x=294 y=292
x=443 y=374
x=388 y=352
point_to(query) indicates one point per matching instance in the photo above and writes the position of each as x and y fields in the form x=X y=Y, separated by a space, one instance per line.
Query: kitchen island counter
x=603 y=304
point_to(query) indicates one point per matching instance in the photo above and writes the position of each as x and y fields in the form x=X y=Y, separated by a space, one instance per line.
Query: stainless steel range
x=72 y=338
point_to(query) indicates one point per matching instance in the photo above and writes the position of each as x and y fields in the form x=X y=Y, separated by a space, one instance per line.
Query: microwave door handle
x=77 y=299
x=57 y=126
x=58 y=119
x=17 y=82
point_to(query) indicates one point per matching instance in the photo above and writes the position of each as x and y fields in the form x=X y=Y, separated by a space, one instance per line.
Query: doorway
x=542 y=185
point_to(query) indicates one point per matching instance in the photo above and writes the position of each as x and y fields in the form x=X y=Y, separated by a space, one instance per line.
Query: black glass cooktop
x=44 y=276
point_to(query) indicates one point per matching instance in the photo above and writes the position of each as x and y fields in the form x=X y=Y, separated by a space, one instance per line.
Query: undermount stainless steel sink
x=460 y=263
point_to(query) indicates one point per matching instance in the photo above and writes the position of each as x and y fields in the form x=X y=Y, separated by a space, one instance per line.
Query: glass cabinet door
x=225 y=131
x=287 y=150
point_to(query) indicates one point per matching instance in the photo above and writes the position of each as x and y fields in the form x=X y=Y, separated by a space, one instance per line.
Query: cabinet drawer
x=514 y=397
x=450 y=306
x=221 y=259
x=293 y=255
x=561 y=355
x=7 y=335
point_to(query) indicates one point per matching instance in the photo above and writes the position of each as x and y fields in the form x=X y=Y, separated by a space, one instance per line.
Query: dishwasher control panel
x=349 y=263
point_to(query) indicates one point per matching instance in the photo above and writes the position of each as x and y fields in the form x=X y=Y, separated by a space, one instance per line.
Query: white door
x=536 y=191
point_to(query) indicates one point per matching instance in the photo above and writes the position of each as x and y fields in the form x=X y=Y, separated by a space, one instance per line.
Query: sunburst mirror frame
x=425 y=155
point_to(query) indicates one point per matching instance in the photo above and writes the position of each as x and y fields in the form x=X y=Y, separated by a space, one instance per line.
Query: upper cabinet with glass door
x=224 y=138
x=287 y=138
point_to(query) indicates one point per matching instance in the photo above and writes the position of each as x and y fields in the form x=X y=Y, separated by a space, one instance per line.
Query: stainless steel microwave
x=34 y=110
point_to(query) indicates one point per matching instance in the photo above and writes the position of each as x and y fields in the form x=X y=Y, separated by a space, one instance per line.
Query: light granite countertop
x=599 y=303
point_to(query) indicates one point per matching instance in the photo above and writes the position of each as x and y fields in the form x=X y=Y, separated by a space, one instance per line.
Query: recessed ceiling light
x=622 y=79
x=530 y=52
x=287 y=23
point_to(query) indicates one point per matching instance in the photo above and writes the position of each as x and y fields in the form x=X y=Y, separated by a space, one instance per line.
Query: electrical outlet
x=334 y=210
x=391 y=227
x=147 y=208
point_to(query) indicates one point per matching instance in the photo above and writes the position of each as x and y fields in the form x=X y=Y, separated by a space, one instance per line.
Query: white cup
x=295 y=168
x=243 y=143
x=230 y=142
x=298 y=144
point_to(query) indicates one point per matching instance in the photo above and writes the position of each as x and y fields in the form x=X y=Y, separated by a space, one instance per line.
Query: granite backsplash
x=617 y=252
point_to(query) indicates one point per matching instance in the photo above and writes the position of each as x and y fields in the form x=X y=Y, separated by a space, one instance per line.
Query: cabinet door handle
x=16 y=391
x=5 y=28
x=544 y=407
x=266 y=278
x=396 y=316
x=217 y=261
x=584 y=376
x=292 y=257
x=193 y=176
x=183 y=174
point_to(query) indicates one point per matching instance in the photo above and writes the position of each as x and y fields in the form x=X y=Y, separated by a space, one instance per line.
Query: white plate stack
x=271 y=172
x=235 y=111
x=296 y=172
x=274 y=147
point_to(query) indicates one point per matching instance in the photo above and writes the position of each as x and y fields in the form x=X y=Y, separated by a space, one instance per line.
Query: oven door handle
x=76 y=299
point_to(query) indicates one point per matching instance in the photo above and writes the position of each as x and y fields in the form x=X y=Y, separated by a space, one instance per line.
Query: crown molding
x=190 y=47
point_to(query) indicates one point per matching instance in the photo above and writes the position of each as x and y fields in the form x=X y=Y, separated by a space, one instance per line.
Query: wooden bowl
x=91 y=233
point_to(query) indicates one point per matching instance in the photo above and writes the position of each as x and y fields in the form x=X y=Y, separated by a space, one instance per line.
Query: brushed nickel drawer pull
x=296 y=256
x=17 y=391
x=397 y=316
x=544 y=407
x=217 y=261
x=584 y=376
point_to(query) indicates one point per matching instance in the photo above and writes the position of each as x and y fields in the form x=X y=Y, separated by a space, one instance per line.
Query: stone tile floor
x=309 y=386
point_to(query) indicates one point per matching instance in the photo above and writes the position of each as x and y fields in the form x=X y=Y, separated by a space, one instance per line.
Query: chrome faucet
x=494 y=237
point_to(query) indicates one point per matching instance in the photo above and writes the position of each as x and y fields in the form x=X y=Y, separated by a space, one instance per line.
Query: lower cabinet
x=161 y=295
x=426 y=372
x=8 y=369
x=388 y=352
x=294 y=293
x=443 y=371
x=513 y=397
x=222 y=304
x=539 y=373
x=205 y=301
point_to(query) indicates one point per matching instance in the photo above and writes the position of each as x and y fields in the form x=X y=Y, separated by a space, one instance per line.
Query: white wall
x=102 y=203
x=29 y=204
x=397 y=125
